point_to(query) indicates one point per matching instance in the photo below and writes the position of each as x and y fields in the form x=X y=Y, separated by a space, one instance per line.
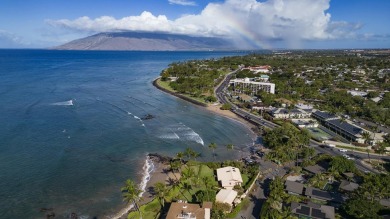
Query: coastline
x=213 y=108
x=156 y=167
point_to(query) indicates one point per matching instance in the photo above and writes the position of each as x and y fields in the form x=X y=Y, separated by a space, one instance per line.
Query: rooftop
x=181 y=210
x=347 y=127
x=294 y=187
x=229 y=176
x=226 y=196
x=324 y=115
x=313 y=210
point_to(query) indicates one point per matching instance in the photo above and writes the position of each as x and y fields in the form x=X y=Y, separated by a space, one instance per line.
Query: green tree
x=161 y=191
x=131 y=193
x=226 y=106
x=360 y=207
x=341 y=164
x=213 y=146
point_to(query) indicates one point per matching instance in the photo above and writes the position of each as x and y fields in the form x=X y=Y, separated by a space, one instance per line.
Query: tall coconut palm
x=188 y=153
x=367 y=139
x=213 y=146
x=230 y=146
x=131 y=193
x=161 y=191
x=180 y=156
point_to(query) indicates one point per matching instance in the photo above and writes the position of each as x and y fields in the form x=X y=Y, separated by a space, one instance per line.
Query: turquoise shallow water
x=71 y=133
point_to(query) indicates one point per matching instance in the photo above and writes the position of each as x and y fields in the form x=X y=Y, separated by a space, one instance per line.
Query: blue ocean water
x=71 y=132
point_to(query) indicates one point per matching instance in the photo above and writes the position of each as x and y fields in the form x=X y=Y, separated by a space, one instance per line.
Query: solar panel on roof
x=317 y=213
x=320 y=193
x=304 y=210
x=346 y=126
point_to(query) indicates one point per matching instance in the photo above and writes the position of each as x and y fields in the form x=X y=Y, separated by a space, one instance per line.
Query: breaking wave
x=147 y=169
x=181 y=132
x=64 y=103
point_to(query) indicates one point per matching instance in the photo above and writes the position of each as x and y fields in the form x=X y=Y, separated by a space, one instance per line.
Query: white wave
x=64 y=103
x=183 y=132
x=148 y=168
x=129 y=113
x=169 y=136
x=136 y=117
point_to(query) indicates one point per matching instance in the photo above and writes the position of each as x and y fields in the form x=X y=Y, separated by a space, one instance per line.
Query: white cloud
x=8 y=39
x=249 y=22
x=182 y=2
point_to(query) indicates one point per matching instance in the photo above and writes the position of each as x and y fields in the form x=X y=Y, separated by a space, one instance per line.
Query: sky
x=250 y=24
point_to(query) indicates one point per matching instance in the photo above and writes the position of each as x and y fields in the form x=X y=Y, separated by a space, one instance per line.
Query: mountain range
x=146 y=41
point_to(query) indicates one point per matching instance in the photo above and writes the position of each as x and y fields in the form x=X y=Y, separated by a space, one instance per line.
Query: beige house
x=180 y=210
x=229 y=177
x=226 y=196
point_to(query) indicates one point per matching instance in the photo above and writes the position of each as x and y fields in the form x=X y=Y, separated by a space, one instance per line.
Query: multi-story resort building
x=349 y=131
x=247 y=85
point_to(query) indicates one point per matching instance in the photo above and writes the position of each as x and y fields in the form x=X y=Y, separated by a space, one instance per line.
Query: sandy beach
x=215 y=108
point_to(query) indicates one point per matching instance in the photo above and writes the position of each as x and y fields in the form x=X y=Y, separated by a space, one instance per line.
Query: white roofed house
x=226 y=196
x=229 y=177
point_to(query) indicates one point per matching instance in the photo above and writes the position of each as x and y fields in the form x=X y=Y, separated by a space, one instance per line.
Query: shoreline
x=156 y=167
x=213 y=108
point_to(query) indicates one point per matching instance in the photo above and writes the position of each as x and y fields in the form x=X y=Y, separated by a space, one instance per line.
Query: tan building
x=226 y=196
x=229 y=177
x=184 y=210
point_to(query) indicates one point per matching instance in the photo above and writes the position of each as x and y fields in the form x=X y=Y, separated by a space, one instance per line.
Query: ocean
x=72 y=132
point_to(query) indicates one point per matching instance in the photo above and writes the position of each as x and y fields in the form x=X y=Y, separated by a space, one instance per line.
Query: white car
x=348 y=157
x=343 y=150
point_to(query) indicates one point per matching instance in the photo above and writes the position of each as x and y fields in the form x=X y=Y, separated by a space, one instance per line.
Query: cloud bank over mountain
x=249 y=23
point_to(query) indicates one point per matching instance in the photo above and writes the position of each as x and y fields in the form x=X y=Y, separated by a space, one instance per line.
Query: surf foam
x=147 y=169
x=64 y=103
x=182 y=132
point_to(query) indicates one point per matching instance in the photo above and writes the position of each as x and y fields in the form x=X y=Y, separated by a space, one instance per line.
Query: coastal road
x=222 y=97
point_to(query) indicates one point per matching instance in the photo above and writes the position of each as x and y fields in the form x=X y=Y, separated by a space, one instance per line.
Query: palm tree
x=187 y=187
x=230 y=146
x=213 y=146
x=188 y=153
x=367 y=139
x=161 y=190
x=195 y=155
x=180 y=156
x=131 y=193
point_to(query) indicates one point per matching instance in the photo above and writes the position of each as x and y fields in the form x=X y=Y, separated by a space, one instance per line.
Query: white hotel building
x=240 y=85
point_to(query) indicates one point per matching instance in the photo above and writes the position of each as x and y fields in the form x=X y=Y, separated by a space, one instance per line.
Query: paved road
x=258 y=196
x=220 y=93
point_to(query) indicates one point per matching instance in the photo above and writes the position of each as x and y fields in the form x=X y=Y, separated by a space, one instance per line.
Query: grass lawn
x=150 y=210
x=165 y=85
x=245 y=178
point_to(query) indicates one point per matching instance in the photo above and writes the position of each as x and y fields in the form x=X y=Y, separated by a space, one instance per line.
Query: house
x=180 y=210
x=312 y=210
x=229 y=177
x=226 y=196
x=282 y=113
x=348 y=186
x=318 y=194
x=294 y=188
x=318 y=168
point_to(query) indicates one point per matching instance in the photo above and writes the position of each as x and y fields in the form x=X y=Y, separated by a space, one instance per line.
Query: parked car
x=343 y=150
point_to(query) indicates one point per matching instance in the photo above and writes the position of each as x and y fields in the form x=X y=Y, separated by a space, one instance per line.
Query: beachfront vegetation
x=194 y=182
x=131 y=194
x=321 y=78
x=287 y=143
